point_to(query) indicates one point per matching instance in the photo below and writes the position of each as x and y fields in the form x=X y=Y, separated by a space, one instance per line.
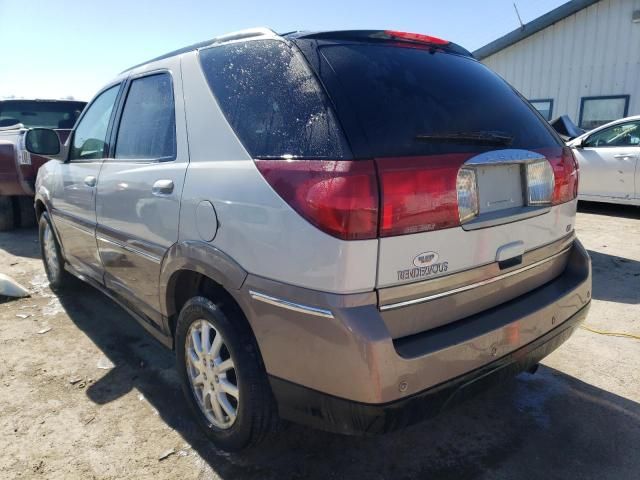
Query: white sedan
x=609 y=159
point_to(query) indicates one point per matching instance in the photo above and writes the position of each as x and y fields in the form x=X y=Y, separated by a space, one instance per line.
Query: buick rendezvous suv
x=349 y=229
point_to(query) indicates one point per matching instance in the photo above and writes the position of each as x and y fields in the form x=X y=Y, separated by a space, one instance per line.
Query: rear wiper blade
x=472 y=138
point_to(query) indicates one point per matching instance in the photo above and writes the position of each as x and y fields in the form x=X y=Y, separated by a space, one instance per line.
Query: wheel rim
x=50 y=252
x=212 y=374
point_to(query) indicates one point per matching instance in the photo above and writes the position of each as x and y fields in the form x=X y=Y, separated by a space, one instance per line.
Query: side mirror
x=42 y=141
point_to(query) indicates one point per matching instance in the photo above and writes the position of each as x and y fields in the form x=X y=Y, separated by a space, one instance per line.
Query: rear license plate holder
x=500 y=187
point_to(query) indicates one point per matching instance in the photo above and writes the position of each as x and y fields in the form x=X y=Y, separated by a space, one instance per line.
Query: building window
x=544 y=106
x=596 y=111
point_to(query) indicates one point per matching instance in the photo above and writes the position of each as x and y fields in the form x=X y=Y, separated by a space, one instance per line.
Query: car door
x=73 y=197
x=138 y=199
x=608 y=159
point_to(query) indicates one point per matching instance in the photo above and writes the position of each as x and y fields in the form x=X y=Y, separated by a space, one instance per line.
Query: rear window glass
x=272 y=100
x=40 y=114
x=415 y=101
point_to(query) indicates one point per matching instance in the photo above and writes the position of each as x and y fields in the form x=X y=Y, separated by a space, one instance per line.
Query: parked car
x=609 y=159
x=17 y=167
x=344 y=229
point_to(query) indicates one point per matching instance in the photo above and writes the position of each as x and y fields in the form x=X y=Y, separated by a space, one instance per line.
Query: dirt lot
x=85 y=393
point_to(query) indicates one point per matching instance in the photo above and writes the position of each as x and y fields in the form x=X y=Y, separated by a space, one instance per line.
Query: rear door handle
x=162 y=188
x=90 y=181
x=623 y=155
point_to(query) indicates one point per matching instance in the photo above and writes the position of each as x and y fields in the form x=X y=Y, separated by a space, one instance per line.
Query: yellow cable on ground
x=611 y=334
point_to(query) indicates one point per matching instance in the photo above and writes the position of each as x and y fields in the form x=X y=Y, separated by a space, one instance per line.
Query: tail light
x=467 y=191
x=339 y=197
x=540 y=183
x=364 y=199
x=565 y=170
x=418 y=193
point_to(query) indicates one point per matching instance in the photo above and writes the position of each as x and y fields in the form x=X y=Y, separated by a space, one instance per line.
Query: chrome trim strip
x=465 y=288
x=507 y=155
x=146 y=255
x=296 y=307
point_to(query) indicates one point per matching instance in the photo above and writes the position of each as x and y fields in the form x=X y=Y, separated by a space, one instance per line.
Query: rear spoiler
x=390 y=36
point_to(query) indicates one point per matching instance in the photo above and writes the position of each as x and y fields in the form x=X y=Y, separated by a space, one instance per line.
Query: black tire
x=26 y=212
x=58 y=277
x=256 y=409
x=7 y=214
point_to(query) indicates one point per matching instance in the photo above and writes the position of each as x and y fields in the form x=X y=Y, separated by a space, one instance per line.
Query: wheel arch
x=40 y=208
x=195 y=268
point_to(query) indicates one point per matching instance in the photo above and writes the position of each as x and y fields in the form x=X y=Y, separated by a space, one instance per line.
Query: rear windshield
x=273 y=101
x=40 y=114
x=417 y=101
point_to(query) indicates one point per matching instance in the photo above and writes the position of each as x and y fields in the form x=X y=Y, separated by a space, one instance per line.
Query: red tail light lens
x=339 y=197
x=565 y=170
x=418 y=193
x=416 y=37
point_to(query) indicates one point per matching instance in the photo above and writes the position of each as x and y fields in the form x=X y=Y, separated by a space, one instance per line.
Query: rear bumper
x=319 y=410
x=345 y=350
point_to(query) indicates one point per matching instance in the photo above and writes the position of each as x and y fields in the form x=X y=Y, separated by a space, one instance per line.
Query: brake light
x=416 y=37
x=419 y=194
x=339 y=197
x=565 y=170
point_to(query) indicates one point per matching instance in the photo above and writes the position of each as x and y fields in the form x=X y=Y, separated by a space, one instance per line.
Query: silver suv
x=345 y=229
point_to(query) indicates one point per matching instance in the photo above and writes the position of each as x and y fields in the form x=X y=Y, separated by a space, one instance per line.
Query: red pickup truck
x=18 y=168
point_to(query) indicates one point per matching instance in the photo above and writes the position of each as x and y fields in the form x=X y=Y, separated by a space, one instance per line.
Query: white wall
x=593 y=52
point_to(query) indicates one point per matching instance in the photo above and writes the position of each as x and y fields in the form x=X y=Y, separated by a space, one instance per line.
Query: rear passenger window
x=272 y=100
x=148 y=126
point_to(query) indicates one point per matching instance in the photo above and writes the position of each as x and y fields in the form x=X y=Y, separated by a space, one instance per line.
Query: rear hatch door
x=470 y=175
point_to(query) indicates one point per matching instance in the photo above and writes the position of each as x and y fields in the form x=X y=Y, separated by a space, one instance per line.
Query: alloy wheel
x=212 y=374
x=50 y=252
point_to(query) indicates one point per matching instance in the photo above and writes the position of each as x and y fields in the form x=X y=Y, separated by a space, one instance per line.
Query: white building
x=581 y=59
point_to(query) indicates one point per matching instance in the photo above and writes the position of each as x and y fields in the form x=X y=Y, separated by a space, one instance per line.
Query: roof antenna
x=518 y=14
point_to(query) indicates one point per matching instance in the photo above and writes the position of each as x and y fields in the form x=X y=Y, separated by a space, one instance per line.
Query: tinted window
x=59 y=114
x=148 y=125
x=407 y=99
x=89 y=139
x=272 y=100
x=623 y=135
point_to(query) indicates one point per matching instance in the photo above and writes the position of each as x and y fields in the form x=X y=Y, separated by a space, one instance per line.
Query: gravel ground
x=86 y=393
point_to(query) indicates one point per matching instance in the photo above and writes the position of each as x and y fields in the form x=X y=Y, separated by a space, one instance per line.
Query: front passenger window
x=89 y=139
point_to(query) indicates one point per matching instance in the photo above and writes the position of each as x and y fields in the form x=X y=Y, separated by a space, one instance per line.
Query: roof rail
x=246 y=33
x=239 y=35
